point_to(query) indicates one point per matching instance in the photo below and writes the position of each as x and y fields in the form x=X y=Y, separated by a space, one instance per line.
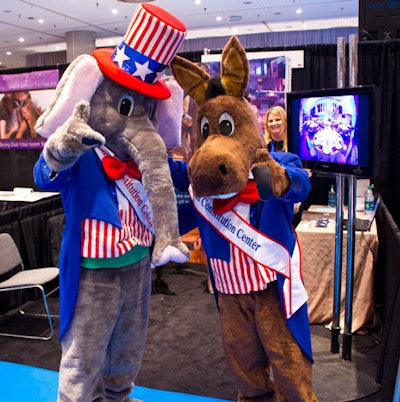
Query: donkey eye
x=126 y=105
x=204 y=127
x=225 y=124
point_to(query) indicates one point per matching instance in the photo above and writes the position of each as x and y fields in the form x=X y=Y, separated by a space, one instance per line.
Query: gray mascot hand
x=72 y=139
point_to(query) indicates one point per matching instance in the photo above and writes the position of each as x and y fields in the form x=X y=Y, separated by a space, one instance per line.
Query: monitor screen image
x=333 y=130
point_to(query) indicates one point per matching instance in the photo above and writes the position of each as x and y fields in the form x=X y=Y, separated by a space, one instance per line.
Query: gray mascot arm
x=71 y=140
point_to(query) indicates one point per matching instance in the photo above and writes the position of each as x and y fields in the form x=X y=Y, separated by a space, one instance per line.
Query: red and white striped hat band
x=155 y=33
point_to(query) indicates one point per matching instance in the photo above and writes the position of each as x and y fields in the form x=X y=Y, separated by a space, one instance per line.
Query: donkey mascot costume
x=243 y=200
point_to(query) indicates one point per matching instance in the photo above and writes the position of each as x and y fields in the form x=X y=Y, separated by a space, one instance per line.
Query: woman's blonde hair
x=280 y=111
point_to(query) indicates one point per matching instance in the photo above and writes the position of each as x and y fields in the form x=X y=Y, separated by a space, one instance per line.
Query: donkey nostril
x=222 y=169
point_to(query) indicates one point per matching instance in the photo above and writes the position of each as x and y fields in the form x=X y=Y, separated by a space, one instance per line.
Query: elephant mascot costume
x=105 y=155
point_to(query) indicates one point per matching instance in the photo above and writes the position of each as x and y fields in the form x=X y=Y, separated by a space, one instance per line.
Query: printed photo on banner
x=23 y=98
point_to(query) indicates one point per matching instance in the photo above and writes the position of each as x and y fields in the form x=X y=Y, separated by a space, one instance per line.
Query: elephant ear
x=234 y=68
x=70 y=90
x=169 y=114
x=192 y=78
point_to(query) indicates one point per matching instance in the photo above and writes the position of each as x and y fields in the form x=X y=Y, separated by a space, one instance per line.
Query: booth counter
x=318 y=254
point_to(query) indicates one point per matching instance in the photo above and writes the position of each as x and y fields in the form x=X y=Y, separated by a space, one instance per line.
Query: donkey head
x=228 y=131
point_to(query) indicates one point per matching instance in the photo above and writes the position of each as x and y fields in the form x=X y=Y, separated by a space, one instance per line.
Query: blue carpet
x=30 y=384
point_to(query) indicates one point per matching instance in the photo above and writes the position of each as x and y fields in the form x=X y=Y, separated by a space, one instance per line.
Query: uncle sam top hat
x=150 y=43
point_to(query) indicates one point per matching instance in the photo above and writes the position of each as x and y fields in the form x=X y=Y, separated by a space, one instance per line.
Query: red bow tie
x=116 y=169
x=249 y=195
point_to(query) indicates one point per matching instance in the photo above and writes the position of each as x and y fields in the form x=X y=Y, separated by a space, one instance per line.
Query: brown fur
x=221 y=163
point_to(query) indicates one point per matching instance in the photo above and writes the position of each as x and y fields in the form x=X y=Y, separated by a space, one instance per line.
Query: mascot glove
x=269 y=175
x=71 y=140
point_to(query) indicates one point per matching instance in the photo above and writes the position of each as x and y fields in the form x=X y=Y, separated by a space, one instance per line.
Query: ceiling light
x=135 y=1
x=21 y=40
x=219 y=18
x=299 y=11
x=40 y=21
x=8 y=53
x=197 y=2
x=114 y=11
x=235 y=18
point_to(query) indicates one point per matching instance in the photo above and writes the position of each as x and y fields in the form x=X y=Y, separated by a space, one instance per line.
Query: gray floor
x=184 y=352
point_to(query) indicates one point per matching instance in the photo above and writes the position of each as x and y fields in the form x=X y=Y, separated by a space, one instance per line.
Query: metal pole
x=353 y=60
x=396 y=396
x=341 y=62
x=335 y=333
x=347 y=335
x=348 y=308
x=337 y=283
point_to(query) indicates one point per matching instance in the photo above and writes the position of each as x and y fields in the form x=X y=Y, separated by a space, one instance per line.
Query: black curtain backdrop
x=379 y=64
x=387 y=298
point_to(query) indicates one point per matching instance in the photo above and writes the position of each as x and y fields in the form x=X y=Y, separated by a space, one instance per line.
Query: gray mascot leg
x=103 y=348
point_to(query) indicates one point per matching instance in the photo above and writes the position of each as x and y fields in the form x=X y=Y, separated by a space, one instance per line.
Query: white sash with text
x=134 y=192
x=261 y=248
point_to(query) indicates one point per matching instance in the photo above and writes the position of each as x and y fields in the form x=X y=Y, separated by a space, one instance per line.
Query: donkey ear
x=234 y=68
x=192 y=78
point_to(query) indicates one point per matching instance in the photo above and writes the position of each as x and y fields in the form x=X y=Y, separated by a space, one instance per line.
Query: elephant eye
x=204 y=127
x=126 y=105
x=225 y=124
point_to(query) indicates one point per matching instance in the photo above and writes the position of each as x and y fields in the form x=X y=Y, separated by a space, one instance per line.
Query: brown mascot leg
x=254 y=331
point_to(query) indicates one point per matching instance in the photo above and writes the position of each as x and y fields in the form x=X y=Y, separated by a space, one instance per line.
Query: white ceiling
x=20 y=19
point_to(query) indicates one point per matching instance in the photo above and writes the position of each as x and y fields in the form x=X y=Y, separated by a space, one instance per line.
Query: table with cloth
x=318 y=254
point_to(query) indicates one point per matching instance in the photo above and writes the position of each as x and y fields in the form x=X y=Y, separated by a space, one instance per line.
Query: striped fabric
x=152 y=37
x=103 y=240
x=241 y=275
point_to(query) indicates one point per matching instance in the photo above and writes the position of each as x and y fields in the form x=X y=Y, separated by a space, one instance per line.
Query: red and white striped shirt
x=241 y=275
x=103 y=240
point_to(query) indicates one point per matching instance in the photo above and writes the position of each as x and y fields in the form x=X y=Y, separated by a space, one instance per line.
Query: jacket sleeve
x=187 y=216
x=179 y=174
x=46 y=179
x=300 y=184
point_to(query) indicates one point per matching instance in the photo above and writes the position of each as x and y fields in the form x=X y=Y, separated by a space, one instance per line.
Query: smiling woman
x=276 y=129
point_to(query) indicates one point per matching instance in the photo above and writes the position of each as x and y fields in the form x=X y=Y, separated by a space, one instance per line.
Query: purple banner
x=22 y=144
x=45 y=79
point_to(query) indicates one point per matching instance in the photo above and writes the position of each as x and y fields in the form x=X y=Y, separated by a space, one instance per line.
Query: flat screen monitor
x=333 y=130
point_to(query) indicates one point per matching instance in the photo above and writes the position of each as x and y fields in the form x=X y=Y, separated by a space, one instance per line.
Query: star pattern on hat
x=142 y=70
x=120 y=56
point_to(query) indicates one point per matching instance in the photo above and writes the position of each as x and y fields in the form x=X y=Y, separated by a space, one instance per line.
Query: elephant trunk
x=149 y=151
